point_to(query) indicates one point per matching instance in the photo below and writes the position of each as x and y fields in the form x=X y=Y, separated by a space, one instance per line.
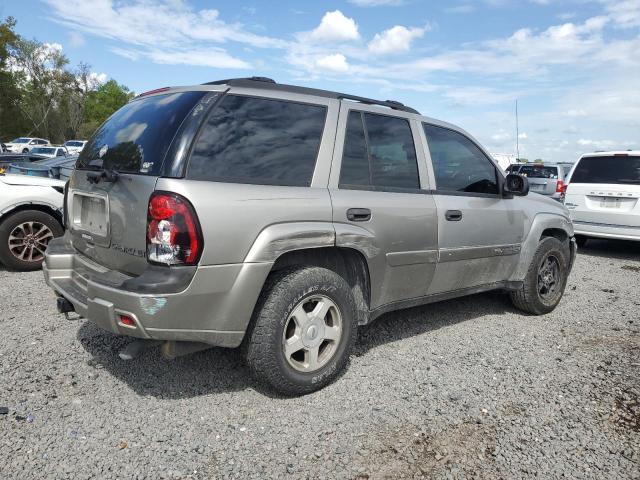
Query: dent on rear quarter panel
x=233 y=216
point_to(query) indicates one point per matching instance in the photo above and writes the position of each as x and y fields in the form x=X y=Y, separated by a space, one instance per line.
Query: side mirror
x=515 y=185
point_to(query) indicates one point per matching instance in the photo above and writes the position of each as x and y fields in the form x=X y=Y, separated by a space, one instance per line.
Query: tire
x=581 y=240
x=38 y=227
x=275 y=323
x=25 y=150
x=537 y=296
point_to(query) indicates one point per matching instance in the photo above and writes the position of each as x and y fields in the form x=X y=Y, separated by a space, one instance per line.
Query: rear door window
x=534 y=171
x=379 y=152
x=624 y=170
x=258 y=141
x=458 y=164
x=136 y=138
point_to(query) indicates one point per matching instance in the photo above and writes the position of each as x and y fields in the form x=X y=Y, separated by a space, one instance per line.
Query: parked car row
x=28 y=144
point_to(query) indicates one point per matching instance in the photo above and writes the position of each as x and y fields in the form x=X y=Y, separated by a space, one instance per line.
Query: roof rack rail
x=270 y=84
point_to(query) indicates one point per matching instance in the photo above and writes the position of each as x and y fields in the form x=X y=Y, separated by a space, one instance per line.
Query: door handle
x=453 y=215
x=359 y=214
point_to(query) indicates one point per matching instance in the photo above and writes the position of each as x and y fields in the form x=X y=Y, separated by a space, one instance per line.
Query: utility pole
x=517 y=135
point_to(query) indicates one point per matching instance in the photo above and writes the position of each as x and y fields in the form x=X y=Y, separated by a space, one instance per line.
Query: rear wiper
x=96 y=177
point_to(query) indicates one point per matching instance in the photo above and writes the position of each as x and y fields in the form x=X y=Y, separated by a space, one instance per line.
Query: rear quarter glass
x=259 y=141
x=136 y=138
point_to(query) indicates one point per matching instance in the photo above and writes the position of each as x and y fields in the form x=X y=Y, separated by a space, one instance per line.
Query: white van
x=603 y=196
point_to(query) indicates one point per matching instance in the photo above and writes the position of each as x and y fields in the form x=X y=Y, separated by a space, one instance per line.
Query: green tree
x=101 y=104
x=12 y=123
x=41 y=96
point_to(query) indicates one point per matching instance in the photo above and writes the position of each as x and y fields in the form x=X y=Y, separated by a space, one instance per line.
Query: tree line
x=41 y=95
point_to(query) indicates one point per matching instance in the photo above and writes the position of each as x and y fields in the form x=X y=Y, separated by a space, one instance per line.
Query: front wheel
x=545 y=280
x=25 y=150
x=303 y=329
x=24 y=237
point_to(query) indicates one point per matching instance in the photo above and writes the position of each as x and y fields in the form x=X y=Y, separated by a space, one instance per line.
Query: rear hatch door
x=543 y=179
x=115 y=175
x=605 y=190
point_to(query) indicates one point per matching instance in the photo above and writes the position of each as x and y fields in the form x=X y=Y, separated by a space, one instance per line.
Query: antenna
x=517 y=135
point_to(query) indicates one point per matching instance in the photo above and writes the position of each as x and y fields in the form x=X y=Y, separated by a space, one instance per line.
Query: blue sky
x=573 y=65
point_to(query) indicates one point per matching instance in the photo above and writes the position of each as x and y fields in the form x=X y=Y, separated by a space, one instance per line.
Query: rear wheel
x=302 y=331
x=24 y=237
x=546 y=279
x=581 y=240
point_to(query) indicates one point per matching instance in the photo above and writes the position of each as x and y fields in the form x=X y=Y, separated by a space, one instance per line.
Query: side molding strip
x=469 y=253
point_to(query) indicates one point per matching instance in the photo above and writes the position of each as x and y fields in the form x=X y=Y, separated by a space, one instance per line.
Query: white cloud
x=394 y=40
x=335 y=27
x=523 y=136
x=501 y=136
x=96 y=78
x=465 y=8
x=334 y=63
x=161 y=30
x=377 y=3
x=210 y=57
x=624 y=13
x=575 y=113
x=76 y=39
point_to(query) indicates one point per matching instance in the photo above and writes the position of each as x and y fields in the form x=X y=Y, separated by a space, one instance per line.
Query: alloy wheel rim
x=312 y=333
x=548 y=277
x=28 y=241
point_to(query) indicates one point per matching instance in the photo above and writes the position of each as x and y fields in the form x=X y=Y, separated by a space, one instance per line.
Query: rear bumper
x=210 y=304
x=602 y=230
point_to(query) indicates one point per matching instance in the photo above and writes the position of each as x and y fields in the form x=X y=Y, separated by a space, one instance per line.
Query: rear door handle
x=453 y=215
x=359 y=214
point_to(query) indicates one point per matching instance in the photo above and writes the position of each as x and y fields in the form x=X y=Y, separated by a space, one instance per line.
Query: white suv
x=25 y=144
x=603 y=196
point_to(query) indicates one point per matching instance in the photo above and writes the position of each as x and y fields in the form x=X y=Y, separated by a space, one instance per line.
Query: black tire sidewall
x=282 y=298
x=9 y=223
x=330 y=369
x=549 y=246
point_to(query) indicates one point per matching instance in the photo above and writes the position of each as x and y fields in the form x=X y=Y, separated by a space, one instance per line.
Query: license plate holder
x=607 y=202
x=90 y=217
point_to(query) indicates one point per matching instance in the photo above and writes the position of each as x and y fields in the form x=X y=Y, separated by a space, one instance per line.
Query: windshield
x=72 y=144
x=538 y=171
x=20 y=140
x=136 y=138
x=43 y=150
x=617 y=169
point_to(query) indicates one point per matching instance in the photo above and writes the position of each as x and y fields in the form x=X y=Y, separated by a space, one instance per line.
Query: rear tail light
x=173 y=230
x=561 y=187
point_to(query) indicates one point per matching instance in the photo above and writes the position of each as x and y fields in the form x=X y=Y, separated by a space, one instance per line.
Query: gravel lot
x=464 y=388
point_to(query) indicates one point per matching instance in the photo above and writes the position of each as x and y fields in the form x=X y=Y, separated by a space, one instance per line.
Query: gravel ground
x=465 y=388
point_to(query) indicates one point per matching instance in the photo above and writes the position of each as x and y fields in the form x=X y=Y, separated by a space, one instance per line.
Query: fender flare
x=540 y=223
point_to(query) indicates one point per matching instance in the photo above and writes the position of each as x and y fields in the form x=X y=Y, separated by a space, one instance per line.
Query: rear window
x=258 y=141
x=136 y=138
x=611 y=169
x=533 y=171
